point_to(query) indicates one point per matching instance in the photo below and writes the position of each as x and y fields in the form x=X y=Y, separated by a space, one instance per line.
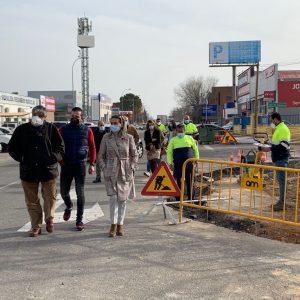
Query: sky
x=147 y=46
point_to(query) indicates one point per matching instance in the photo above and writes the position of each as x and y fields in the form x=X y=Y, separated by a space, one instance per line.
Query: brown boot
x=120 y=231
x=35 y=231
x=113 y=230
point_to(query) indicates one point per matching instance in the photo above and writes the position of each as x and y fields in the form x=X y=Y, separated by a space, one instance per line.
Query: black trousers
x=68 y=173
x=188 y=178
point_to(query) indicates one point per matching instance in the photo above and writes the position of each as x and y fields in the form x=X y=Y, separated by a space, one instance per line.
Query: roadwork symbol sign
x=228 y=138
x=161 y=183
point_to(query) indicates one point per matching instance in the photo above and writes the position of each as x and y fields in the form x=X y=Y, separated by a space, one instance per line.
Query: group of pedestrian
x=40 y=147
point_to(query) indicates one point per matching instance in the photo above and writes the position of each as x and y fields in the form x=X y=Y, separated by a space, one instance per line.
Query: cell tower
x=84 y=42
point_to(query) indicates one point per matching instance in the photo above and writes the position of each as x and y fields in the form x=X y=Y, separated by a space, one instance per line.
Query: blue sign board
x=209 y=110
x=235 y=52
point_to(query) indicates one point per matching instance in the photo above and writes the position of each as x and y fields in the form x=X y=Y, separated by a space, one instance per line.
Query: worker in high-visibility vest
x=280 y=152
x=190 y=128
x=161 y=126
x=180 y=148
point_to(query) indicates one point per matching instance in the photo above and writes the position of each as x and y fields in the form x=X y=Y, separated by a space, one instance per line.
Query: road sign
x=274 y=104
x=228 y=138
x=161 y=183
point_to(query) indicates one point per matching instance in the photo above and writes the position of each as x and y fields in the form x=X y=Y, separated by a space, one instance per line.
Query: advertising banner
x=289 y=92
x=209 y=110
x=48 y=102
x=269 y=95
x=241 y=52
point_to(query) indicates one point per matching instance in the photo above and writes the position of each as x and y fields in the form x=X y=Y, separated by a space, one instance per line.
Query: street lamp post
x=78 y=58
x=129 y=89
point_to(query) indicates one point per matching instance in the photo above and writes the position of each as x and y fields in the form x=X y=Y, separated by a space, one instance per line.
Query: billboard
x=243 y=52
x=48 y=102
x=289 y=92
x=209 y=110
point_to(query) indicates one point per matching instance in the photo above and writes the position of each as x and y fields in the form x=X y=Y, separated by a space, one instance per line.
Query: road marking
x=3 y=187
x=208 y=147
x=89 y=215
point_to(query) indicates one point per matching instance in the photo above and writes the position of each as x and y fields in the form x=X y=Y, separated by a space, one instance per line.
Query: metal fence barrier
x=245 y=190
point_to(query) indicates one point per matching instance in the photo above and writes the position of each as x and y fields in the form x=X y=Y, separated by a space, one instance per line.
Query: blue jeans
x=280 y=175
x=67 y=174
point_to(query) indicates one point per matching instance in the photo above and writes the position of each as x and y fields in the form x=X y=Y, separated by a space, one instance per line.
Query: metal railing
x=240 y=189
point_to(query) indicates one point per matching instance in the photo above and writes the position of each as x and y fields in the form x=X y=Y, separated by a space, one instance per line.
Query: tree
x=132 y=102
x=178 y=113
x=193 y=93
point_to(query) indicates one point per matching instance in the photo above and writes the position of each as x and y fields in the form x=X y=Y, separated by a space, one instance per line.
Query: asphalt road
x=154 y=260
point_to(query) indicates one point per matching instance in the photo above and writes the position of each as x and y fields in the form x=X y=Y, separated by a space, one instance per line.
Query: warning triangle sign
x=161 y=183
x=228 y=138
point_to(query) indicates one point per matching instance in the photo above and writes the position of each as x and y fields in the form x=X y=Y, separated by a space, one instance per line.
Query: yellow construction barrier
x=240 y=189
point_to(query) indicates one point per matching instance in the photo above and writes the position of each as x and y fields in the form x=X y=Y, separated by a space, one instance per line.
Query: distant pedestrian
x=190 y=128
x=181 y=148
x=118 y=160
x=79 y=142
x=130 y=129
x=280 y=150
x=153 y=140
x=38 y=146
x=98 y=135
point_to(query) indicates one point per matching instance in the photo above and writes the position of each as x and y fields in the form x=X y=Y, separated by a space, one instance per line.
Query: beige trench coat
x=118 y=159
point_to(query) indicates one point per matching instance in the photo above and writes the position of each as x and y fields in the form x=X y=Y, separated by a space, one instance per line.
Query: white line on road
x=208 y=147
x=3 y=187
x=89 y=215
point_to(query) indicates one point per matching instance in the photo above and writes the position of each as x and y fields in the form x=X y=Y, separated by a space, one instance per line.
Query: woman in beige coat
x=118 y=158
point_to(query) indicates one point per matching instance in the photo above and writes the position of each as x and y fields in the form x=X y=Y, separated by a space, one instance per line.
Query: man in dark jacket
x=79 y=141
x=98 y=135
x=38 y=146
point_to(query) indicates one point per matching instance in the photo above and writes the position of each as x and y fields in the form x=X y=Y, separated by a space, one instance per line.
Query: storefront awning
x=15 y=114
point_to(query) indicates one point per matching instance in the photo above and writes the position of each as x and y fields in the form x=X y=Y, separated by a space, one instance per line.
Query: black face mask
x=74 y=121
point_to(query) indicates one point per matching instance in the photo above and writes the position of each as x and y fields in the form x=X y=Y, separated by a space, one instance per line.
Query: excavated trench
x=270 y=230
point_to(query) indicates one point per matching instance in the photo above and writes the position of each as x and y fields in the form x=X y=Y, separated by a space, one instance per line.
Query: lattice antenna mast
x=84 y=42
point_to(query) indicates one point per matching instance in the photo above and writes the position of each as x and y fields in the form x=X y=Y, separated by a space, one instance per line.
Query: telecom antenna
x=84 y=42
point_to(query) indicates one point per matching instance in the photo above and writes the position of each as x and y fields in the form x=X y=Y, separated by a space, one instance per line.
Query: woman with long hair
x=153 y=140
x=118 y=159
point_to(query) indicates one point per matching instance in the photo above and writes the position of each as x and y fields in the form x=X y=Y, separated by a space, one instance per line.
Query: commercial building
x=101 y=108
x=16 y=108
x=277 y=91
x=64 y=102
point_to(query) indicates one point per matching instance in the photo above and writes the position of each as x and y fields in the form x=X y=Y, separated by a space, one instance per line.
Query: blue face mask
x=180 y=134
x=115 y=128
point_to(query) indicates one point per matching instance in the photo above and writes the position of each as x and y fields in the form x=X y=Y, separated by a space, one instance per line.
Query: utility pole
x=84 y=42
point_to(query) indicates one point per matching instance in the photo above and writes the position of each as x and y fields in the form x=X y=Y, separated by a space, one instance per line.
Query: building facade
x=64 y=102
x=15 y=108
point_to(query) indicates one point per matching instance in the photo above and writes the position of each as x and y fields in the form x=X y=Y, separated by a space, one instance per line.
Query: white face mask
x=36 y=121
x=151 y=127
x=273 y=125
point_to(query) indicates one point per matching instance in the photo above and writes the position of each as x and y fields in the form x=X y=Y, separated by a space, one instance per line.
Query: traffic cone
x=263 y=156
x=239 y=156
x=231 y=157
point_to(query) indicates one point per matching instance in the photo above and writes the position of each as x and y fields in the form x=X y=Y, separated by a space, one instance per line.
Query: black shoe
x=79 y=226
x=98 y=179
x=67 y=213
x=278 y=206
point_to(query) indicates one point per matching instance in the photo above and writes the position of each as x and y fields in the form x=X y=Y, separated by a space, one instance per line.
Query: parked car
x=11 y=125
x=6 y=130
x=228 y=126
x=59 y=124
x=4 y=140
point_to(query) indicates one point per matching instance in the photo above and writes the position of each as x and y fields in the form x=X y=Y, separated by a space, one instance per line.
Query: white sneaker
x=147 y=174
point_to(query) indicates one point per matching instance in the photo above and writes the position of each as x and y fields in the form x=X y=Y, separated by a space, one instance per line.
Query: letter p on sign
x=217 y=50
